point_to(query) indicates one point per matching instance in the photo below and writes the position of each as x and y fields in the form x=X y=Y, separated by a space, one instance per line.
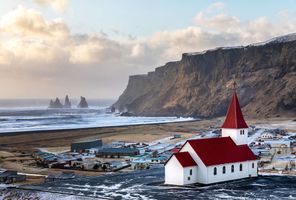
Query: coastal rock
x=67 y=102
x=83 y=103
x=200 y=84
x=126 y=114
x=55 y=104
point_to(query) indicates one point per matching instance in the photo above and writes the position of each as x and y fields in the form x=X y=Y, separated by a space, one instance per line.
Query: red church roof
x=234 y=117
x=184 y=159
x=216 y=151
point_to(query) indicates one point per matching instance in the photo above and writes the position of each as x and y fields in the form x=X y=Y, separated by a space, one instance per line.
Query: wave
x=56 y=119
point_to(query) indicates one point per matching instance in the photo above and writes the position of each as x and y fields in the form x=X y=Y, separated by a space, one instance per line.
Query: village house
x=213 y=160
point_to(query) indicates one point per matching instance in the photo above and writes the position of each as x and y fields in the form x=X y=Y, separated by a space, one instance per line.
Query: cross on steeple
x=234 y=85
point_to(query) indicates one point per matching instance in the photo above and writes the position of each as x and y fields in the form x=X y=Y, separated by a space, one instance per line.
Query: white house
x=267 y=136
x=213 y=160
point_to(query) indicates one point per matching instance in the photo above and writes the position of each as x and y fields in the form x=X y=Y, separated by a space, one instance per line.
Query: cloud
x=27 y=22
x=220 y=22
x=36 y=50
x=216 y=7
x=59 y=5
x=95 y=49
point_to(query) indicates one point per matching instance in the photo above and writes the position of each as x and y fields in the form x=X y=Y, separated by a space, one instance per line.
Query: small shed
x=81 y=146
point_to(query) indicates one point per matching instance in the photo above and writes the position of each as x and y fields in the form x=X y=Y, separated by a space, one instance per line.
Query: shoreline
x=91 y=128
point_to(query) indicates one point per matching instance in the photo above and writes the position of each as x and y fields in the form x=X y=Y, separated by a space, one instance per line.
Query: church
x=213 y=160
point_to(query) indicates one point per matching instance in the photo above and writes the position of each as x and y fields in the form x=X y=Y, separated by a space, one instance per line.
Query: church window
x=241 y=167
x=188 y=178
x=232 y=168
x=224 y=169
x=215 y=170
x=190 y=171
x=253 y=165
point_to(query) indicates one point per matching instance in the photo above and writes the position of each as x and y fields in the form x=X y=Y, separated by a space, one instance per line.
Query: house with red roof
x=213 y=160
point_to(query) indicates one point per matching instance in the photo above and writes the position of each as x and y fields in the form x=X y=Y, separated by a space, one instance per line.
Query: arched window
x=253 y=165
x=240 y=167
x=232 y=168
x=224 y=169
x=190 y=171
x=215 y=170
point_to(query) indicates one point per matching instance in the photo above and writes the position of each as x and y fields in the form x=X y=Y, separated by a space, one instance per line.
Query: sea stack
x=51 y=104
x=55 y=104
x=83 y=103
x=67 y=102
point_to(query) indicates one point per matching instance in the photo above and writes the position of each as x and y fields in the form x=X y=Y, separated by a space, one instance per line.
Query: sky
x=89 y=48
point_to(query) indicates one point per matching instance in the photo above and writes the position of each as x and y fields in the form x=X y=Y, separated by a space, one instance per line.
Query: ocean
x=18 y=115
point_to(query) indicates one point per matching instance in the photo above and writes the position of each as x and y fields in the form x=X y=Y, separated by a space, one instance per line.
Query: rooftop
x=234 y=117
x=185 y=159
x=216 y=151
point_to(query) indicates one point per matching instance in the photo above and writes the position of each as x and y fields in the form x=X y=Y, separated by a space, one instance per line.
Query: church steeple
x=234 y=124
x=234 y=117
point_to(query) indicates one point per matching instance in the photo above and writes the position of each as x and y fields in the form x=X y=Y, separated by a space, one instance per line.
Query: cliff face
x=200 y=84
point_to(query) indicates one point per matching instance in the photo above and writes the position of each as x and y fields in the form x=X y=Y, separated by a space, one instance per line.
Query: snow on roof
x=234 y=117
x=216 y=151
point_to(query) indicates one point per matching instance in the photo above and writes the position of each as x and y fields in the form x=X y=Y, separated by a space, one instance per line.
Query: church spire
x=234 y=117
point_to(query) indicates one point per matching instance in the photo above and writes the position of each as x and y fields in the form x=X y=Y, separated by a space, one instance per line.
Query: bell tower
x=234 y=124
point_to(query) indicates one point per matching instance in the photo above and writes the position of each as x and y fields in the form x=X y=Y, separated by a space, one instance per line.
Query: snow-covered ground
x=288 y=124
x=147 y=184
x=256 y=135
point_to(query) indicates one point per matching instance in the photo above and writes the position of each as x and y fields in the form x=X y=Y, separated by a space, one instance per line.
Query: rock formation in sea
x=200 y=83
x=67 y=102
x=83 y=103
x=55 y=104
x=51 y=104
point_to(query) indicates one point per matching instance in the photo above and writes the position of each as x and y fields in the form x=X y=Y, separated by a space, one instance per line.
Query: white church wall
x=201 y=175
x=236 y=135
x=253 y=168
x=174 y=172
x=247 y=171
x=189 y=178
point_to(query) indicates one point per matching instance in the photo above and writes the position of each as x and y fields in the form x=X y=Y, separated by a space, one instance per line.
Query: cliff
x=200 y=83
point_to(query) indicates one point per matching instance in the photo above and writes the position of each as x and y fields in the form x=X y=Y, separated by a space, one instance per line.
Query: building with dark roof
x=83 y=145
x=117 y=152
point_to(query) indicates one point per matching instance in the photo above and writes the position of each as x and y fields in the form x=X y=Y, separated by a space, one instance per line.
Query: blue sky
x=90 y=47
x=144 y=17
